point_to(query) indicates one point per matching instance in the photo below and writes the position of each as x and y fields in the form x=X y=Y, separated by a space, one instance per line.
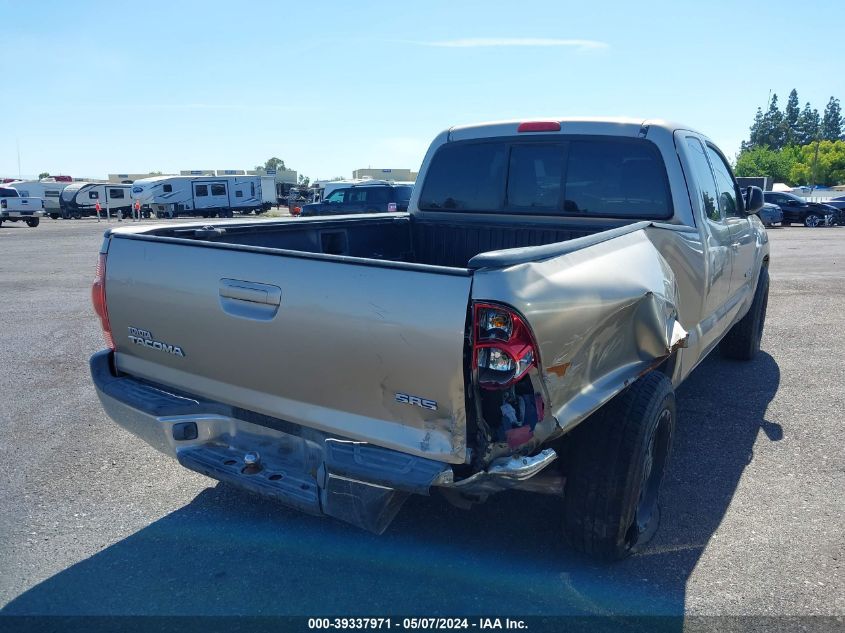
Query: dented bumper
x=303 y=468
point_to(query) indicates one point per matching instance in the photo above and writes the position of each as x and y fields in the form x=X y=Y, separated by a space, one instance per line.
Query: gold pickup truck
x=523 y=325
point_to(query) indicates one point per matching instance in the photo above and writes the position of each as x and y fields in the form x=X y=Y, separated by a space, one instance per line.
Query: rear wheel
x=618 y=459
x=742 y=342
x=32 y=222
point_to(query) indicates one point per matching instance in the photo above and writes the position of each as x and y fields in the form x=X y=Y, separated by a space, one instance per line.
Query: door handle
x=250 y=291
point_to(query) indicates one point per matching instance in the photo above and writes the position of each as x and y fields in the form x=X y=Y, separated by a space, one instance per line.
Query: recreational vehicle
x=48 y=189
x=206 y=196
x=80 y=199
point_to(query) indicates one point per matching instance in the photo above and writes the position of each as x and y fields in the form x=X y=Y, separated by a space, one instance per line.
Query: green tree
x=273 y=163
x=792 y=113
x=827 y=161
x=807 y=129
x=831 y=129
x=304 y=181
x=43 y=174
x=764 y=161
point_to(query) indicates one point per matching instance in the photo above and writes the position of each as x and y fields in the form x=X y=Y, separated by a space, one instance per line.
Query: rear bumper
x=12 y=214
x=356 y=482
x=303 y=468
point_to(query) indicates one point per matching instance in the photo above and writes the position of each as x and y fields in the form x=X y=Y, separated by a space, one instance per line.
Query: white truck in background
x=49 y=189
x=17 y=208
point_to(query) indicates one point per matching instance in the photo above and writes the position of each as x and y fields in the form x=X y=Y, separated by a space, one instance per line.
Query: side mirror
x=753 y=199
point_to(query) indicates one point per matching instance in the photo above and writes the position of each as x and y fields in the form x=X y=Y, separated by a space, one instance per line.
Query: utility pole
x=815 y=162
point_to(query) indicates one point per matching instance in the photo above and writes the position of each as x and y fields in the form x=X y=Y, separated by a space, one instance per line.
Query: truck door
x=717 y=234
x=743 y=235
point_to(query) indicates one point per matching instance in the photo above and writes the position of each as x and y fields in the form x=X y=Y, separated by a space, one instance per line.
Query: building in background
x=401 y=175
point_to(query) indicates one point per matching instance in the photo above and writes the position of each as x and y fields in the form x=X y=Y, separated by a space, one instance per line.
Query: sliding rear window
x=578 y=176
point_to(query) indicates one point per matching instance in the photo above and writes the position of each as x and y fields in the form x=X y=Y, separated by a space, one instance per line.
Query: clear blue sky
x=117 y=87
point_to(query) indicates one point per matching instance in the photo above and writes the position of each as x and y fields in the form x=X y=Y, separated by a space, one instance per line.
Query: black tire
x=76 y=215
x=813 y=220
x=742 y=342
x=615 y=469
x=32 y=222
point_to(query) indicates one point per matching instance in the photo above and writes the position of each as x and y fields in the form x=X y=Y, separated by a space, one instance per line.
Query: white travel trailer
x=80 y=199
x=206 y=196
x=48 y=189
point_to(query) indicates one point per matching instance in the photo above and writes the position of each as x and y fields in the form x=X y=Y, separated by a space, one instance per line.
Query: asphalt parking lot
x=93 y=521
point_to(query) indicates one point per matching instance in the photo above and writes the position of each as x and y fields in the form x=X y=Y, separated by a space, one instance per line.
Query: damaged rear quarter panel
x=603 y=314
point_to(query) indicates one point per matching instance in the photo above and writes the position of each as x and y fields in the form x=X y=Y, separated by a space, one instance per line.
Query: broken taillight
x=503 y=346
x=98 y=298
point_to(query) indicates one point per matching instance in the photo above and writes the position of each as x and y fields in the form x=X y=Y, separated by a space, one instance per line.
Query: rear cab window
x=403 y=193
x=575 y=176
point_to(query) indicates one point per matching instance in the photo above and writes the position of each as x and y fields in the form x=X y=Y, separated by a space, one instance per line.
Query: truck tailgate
x=372 y=353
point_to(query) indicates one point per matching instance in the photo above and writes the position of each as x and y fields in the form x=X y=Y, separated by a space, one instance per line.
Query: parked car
x=770 y=214
x=795 y=209
x=362 y=198
x=525 y=324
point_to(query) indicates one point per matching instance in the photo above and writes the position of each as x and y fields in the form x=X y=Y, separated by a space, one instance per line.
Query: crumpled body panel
x=602 y=315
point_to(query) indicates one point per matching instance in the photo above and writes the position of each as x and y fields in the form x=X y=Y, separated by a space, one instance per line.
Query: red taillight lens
x=539 y=126
x=98 y=298
x=503 y=346
x=296 y=211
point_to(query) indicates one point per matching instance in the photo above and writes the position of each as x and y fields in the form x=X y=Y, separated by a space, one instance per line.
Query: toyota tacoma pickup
x=523 y=325
x=17 y=208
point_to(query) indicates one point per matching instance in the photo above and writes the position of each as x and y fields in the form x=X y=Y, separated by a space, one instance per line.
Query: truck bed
x=399 y=238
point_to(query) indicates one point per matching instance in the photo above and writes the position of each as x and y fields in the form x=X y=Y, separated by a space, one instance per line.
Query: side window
x=378 y=194
x=252 y=189
x=201 y=190
x=23 y=193
x=707 y=191
x=357 y=195
x=534 y=176
x=167 y=188
x=337 y=196
x=728 y=202
x=218 y=190
x=116 y=194
x=93 y=195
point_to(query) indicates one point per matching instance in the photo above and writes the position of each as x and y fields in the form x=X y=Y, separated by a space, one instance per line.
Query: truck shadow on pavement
x=229 y=553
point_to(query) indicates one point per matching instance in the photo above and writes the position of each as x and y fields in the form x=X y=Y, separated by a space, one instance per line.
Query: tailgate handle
x=250 y=292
